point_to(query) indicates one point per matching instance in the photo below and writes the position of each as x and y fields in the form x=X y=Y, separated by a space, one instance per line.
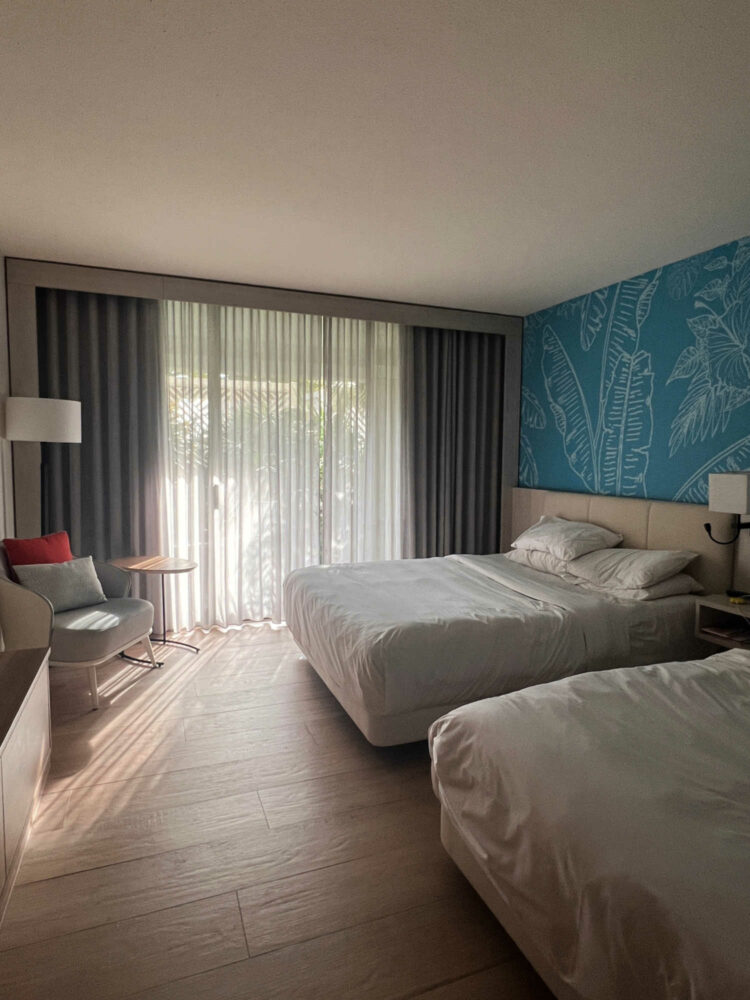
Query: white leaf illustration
x=703 y=324
x=593 y=314
x=717 y=264
x=527 y=470
x=681 y=276
x=569 y=410
x=645 y=300
x=532 y=414
x=713 y=290
x=734 y=458
x=628 y=311
x=627 y=427
x=729 y=361
x=743 y=253
x=688 y=363
x=719 y=363
x=705 y=409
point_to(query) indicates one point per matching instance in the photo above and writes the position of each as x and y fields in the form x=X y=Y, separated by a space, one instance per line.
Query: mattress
x=400 y=643
x=609 y=816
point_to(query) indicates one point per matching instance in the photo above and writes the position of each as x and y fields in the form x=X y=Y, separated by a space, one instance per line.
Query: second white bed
x=606 y=821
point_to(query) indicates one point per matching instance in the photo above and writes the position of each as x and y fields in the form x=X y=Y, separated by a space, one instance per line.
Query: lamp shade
x=729 y=492
x=33 y=419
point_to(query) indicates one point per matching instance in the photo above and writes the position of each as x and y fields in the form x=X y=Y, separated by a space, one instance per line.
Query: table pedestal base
x=163 y=641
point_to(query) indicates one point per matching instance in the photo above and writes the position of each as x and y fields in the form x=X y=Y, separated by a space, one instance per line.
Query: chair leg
x=150 y=651
x=93 y=687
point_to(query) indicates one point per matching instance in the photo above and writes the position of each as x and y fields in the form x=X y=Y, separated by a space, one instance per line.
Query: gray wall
x=6 y=483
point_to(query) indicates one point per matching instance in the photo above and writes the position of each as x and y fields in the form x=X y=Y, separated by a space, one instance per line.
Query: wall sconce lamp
x=729 y=493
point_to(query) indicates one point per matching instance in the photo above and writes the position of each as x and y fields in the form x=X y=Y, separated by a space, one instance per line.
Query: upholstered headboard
x=644 y=524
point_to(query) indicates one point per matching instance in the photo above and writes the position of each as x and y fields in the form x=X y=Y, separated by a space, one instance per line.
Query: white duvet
x=402 y=636
x=611 y=812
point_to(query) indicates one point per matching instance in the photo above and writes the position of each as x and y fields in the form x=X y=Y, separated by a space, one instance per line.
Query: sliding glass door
x=284 y=438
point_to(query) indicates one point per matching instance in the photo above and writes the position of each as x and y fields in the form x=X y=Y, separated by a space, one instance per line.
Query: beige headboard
x=644 y=524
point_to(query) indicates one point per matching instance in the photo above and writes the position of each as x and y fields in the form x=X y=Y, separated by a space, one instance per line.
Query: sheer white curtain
x=284 y=450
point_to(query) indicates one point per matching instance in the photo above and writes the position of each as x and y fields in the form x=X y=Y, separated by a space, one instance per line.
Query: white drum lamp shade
x=34 y=419
x=729 y=492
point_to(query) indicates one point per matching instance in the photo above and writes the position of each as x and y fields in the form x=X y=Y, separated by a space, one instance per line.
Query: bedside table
x=715 y=611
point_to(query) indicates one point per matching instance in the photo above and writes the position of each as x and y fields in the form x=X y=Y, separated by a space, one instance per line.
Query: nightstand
x=715 y=611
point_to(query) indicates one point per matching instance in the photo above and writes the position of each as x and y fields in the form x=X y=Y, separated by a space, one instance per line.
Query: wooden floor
x=220 y=829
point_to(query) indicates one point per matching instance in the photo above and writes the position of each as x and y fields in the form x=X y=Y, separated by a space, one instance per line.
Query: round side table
x=161 y=566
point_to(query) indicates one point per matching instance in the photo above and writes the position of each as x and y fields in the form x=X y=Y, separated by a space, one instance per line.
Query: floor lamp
x=30 y=418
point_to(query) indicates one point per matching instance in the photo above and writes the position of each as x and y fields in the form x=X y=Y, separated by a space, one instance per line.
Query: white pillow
x=682 y=583
x=630 y=568
x=543 y=561
x=566 y=539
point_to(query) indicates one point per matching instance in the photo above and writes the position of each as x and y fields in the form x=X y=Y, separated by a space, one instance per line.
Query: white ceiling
x=488 y=154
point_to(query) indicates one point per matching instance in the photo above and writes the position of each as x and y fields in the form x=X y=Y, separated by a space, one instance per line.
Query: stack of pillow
x=47 y=566
x=586 y=554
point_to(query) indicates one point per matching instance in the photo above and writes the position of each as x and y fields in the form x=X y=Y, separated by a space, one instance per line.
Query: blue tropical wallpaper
x=642 y=388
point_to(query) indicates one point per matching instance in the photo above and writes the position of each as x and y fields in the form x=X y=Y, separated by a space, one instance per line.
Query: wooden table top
x=154 y=564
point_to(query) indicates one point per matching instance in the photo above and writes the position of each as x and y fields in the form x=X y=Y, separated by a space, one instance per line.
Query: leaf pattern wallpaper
x=642 y=388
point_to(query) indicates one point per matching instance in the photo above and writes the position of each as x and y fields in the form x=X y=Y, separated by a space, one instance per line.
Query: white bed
x=605 y=819
x=401 y=643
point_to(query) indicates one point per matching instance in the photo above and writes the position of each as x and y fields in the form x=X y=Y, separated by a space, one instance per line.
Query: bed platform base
x=385 y=730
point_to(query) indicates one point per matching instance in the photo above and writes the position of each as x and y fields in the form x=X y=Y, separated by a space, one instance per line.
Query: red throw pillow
x=47 y=549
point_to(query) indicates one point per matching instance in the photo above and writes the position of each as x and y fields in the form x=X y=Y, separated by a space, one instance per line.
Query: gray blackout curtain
x=105 y=351
x=453 y=447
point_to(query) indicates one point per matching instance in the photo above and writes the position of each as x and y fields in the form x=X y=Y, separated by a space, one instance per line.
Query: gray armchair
x=82 y=637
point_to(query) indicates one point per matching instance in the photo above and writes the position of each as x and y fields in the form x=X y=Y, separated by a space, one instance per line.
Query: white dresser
x=24 y=752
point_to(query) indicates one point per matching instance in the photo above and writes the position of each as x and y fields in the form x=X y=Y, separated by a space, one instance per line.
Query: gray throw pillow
x=66 y=585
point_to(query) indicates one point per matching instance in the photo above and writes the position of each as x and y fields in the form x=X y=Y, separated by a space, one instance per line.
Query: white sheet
x=398 y=637
x=611 y=812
